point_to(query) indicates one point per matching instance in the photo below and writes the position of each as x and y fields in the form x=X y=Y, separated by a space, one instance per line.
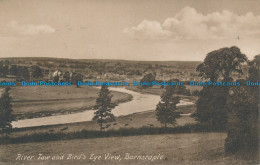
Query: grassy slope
x=195 y=148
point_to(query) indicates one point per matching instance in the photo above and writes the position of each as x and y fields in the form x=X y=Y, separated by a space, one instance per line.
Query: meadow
x=183 y=148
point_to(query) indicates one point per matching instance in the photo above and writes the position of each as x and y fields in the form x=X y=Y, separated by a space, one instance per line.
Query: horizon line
x=106 y=59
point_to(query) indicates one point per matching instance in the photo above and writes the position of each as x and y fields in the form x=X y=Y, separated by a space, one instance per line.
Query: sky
x=148 y=30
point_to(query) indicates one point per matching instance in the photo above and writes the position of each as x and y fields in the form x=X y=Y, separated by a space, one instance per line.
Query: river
x=139 y=103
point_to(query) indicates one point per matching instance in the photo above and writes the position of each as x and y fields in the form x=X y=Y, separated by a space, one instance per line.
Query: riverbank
x=141 y=123
x=65 y=109
x=41 y=101
x=136 y=120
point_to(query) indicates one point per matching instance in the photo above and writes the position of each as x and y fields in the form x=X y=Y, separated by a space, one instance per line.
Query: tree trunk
x=101 y=123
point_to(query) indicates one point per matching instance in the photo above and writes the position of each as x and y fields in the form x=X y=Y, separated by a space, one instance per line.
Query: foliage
x=165 y=109
x=243 y=108
x=211 y=107
x=4 y=68
x=56 y=78
x=24 y=72
x=178 y=89
x=14 y=70
x=76 y=77
x=66 y=76
x=148 y=78
x=219 y=65
x=104 y=106
x=6 y=116
x=36 y=72
x=254 y=70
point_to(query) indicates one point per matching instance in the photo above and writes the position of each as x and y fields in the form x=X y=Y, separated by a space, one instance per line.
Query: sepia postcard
x=129 y=82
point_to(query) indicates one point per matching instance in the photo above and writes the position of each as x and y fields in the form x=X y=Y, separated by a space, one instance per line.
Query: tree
x=66 y=76
x=56 y=78
x=149 y=78
x=3 y=68
x=36 y=71
x=76 y=77
x=14 y=70
x=178 y=89
x=211 y=107
x=6 y=116
x=254 y=70
x=219 y=65
x=243 y=123
x=165 y=109
x=24 y=72
x=103 y=107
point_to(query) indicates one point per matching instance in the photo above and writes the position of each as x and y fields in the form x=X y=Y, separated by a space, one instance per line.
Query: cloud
x=190 y=24
x=148 y=29
x=30 y=29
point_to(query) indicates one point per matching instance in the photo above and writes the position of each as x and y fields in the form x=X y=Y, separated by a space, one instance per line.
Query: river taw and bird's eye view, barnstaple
x=129 y=82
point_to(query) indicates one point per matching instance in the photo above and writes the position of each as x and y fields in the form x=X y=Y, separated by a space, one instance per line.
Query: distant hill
x=33 y=60
x=110 y=68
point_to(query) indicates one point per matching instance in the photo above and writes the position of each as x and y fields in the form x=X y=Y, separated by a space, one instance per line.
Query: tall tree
x=219 y=65
x=243 y=123
x=6 y=116
x=165 y=109
x=103 y=107
x=211 y=107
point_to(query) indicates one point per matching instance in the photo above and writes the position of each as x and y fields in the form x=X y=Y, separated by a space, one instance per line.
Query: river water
x=139 y=103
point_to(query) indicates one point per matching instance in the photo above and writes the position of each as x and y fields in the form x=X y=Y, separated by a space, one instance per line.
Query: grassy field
x=38 y=101
x=194 y=148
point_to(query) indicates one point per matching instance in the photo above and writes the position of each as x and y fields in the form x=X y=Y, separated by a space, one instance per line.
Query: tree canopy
x=243 y=107
x=76 y=77
x=220 y=64
x=148 y=78
x=103 y=107
x=165 y=109
x=36 y=71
